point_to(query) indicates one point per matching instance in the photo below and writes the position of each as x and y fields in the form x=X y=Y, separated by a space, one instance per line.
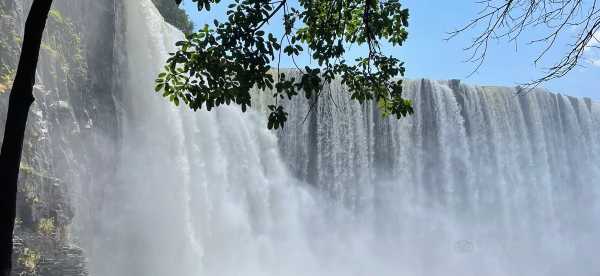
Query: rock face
x=74 y=113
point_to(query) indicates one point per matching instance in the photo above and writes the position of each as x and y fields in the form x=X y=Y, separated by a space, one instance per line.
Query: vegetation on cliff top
x=174 y=15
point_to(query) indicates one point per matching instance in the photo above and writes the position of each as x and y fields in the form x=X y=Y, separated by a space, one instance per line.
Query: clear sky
x=429 y=55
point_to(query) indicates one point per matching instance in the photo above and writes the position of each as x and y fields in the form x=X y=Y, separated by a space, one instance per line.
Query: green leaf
x=220 y=66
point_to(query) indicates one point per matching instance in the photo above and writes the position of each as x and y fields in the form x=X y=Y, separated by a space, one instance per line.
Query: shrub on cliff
x=174 y=15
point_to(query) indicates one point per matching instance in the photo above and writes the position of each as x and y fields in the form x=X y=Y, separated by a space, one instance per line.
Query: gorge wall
x=66 y=158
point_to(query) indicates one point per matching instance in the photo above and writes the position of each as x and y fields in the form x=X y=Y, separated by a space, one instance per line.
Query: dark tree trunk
x=21 y=98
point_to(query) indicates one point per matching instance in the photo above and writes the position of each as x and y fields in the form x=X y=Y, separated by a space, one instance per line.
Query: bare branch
x=509 y=19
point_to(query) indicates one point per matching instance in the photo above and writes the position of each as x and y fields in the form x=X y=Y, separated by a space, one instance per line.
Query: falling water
x=203 y=193
x=477 y=182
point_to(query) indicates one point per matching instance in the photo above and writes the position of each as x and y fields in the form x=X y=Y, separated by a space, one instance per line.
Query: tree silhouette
x=21 y=98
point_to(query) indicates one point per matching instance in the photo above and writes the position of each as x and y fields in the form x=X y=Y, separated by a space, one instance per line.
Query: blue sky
x=428 y=55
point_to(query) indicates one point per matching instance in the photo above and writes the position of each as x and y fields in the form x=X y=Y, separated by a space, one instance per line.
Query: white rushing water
x=477 y=182
x=203 y=193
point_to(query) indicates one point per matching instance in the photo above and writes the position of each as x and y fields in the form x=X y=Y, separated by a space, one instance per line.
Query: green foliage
x=62 y=43
x=221 y=63
x=7 y=75
x=55 y=15
x=174 y=15
x=29 y=260
x=48 y=48
x=10 y=43
x=26 y=169
x=28 y=188
x=46 y=227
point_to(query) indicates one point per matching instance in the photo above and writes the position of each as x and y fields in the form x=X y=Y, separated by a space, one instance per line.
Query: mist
x=478 y=182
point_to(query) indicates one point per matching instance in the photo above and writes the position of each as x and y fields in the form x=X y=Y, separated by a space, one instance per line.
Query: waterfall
x=203 y=193
x=477 y=182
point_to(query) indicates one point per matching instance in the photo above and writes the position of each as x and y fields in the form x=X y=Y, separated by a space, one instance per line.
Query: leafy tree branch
x=221 y=63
